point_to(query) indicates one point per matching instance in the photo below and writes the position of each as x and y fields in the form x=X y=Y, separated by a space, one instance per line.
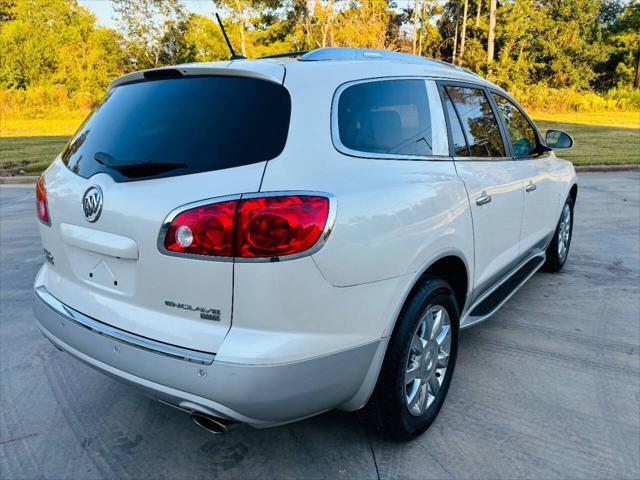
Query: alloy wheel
x=564 y=232
x=427 y=360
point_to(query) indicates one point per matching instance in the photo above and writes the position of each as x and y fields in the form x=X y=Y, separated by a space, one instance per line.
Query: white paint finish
x=392 y=215
x=100 y=242
x=541 y=203
x=287 y=311
x=136 y=210
x=438 y=125
x=496 y=225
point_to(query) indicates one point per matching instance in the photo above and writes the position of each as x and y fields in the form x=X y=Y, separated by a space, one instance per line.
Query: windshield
x=179 y=126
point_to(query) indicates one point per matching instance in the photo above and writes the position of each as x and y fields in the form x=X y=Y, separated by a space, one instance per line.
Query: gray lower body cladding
x=261 y=395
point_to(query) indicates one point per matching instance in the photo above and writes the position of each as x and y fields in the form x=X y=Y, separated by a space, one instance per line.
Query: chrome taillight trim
x=122 y=336
x=328 y=227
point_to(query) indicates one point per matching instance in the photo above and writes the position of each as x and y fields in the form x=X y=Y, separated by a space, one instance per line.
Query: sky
x=103 y=9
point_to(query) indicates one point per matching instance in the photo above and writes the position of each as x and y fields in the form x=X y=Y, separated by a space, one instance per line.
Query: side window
x=478 y=121
x=522 y=134
x=387 y=116
x=459 y=143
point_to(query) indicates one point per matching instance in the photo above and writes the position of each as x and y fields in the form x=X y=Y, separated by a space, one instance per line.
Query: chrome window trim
x=122 y=336
x=335 y=131
x=328 y=227
x=482 y=159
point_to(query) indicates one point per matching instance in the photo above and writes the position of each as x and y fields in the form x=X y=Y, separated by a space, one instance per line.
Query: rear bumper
x=261 y=395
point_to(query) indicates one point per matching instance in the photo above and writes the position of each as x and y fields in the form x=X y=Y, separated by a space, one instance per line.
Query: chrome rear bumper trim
x=193 y=356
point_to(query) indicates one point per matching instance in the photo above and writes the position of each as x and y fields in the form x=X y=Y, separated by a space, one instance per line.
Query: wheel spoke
x=412 y=372
x=443 y=360
x=436 y=323
x=415 y=397
x=434 y=385
x=424 y=397
x=444 y=335
x=418 y=344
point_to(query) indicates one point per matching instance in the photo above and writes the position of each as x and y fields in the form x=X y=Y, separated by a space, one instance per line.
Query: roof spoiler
x=268 y=71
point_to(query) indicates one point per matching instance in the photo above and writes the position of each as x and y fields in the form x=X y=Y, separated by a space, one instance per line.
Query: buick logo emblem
x=92 y=203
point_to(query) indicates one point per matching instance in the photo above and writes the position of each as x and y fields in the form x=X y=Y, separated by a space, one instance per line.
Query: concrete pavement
x=547 y=388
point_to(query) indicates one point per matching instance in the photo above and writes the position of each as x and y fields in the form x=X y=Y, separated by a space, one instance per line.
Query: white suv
x=261 y=241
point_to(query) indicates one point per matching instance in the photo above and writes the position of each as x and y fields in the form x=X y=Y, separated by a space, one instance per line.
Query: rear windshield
x=179 y=126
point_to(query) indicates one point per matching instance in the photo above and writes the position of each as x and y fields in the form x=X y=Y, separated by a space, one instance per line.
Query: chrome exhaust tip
x=217 y=426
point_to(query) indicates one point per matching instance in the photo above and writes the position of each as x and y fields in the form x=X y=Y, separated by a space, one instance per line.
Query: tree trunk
x=423 y=18
x=636 y=82
x=478 y=13
x=455 y=42
x=492 y=33
x=464 y=31
x=332 y=16
x=415 y=25
x=455 y=36
x=241 y=13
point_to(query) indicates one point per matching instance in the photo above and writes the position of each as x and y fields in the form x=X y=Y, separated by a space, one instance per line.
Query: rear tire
x=411 y=388
x=558 y=250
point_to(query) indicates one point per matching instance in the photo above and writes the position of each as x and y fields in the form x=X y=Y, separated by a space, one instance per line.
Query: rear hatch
x=155 y=144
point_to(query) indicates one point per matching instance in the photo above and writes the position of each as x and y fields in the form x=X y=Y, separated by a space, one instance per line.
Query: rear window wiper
x=140 y=168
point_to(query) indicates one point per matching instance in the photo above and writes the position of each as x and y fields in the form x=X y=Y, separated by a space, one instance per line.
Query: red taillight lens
x=283 y=225
x=42 y=208
x=250 y=228
x=206 y=230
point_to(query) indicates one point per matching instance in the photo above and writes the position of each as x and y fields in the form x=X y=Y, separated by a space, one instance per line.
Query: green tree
x=152 y=30
x=201 y=41
x=622 y=33
x=31 y=40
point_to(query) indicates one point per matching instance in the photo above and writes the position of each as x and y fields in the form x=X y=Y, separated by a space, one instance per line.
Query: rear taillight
x=276 y=226
x=42 y=207
x=205 y=230
x=255 y=227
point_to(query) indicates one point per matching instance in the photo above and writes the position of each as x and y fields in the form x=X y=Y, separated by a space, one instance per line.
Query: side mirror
x=558 y=139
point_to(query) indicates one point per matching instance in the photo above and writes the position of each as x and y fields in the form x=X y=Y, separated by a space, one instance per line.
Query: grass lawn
x=595 y=144
x=604 y=119
x=30 y=155
x=598 y=145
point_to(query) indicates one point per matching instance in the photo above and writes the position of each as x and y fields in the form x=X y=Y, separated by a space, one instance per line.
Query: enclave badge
x=92 y=203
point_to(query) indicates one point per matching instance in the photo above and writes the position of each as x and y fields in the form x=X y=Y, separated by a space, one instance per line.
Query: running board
x=497 y=296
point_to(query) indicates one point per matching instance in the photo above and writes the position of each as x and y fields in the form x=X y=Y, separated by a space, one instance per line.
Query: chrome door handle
x=531 y=187
x=483 y=199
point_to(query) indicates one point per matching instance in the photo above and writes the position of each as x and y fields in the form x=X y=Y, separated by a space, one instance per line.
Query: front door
x=540 y=191
x=494 y=182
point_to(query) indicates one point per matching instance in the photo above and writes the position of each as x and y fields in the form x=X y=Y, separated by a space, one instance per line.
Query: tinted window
x=390 y=116
x=170 y=127
x=478 y=121
x=523 y=137
x=459 y=142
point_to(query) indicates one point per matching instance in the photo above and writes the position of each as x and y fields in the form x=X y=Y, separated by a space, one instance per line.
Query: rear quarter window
x=178 y=126
x=388 y=117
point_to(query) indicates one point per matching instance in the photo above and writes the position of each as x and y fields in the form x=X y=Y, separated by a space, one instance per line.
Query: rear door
x=151 y=147
x=540 y=191
x=494 y=182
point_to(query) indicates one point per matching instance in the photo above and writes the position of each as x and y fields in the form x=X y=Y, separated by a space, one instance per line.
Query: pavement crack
x=373 y=455
x=435 y=459
x=23 y=437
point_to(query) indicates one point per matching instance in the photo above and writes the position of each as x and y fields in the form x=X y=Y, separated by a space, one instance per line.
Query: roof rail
x=297 y=53
x=340 y=53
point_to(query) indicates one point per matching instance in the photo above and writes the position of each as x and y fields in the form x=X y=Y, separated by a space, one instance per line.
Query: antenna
x=224 y=33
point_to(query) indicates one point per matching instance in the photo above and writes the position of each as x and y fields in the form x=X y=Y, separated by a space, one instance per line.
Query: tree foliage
x=581 y=45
